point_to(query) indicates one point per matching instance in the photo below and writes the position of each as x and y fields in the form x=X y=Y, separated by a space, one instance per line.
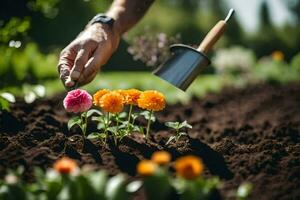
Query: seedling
x=177 y=126
x=81 y=120
x=5 y=99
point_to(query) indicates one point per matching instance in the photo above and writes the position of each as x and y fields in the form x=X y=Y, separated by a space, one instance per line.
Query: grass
x=139 y=80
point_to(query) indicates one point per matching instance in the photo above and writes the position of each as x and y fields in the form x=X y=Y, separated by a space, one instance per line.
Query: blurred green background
x=261 y=44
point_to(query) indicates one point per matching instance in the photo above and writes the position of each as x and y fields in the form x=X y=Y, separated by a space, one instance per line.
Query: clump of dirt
x=241 y=135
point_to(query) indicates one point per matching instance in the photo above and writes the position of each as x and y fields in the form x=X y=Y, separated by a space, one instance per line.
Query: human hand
x=80 y=61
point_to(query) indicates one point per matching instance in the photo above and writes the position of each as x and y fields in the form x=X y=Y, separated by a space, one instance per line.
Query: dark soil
x=242 y=135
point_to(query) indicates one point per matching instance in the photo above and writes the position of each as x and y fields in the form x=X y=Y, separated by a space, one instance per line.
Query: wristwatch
x=103 y=19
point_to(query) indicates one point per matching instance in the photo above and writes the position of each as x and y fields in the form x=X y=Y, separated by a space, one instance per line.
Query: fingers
x=65 y=64
x=64 y=72
x=99 y=58
x=79 y=63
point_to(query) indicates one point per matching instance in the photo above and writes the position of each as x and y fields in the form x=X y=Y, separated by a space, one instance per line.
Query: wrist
x=101 y=32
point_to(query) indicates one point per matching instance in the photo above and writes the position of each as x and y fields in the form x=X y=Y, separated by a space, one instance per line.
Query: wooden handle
x=212 y=37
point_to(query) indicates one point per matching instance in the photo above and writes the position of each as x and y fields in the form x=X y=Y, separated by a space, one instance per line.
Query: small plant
x=79 y=101
x=151 y=100
x=120 y=124
x=5 y=99
x=67 y=181
x=187 y=183
x=177 y=126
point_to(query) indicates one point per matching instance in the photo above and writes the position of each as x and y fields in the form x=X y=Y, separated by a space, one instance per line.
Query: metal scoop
x=186 y=62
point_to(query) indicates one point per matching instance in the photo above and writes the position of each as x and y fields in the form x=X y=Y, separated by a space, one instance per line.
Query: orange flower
x=146 y=168
x=161 y=157
x=131 y=96
x=112 y=102
x=189 y=167
x=152 y=100
x=277 y=56
x=65 y=165
x=97 y=96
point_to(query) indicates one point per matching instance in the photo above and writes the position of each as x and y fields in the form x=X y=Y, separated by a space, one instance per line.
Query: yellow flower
x=161 y=157
x=146 y=168
x=131 y=96
x=277 y=56
x=112 y=102
x=65 y=165
x=97 y=96
x=189 y=167
x=152 y=100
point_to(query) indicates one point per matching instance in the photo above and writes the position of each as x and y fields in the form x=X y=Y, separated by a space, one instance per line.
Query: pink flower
x=78 y=101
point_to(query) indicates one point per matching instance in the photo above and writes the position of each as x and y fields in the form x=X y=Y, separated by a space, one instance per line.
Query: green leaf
x=100 y=126
x=123 y=115
x=157 y=186
x=244 y=191
x=4 y=104
x=8 y=96
x=96 y=135
x=116 y=188
x=74 y=121
x=93 y=111
x=98 y=118
x=185 y=125
x=134 y=116
x=146 y=115
x=93 y=135
x=98 y=180
x=113 y=129
x=173 y=125
x=134 y=186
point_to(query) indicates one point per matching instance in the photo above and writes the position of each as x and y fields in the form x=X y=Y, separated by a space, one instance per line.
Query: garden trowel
x=186 y=62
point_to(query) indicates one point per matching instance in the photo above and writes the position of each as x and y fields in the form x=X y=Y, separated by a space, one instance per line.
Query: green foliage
x=157 y=186
x=82 y=121
x=162 y=182
x=93 y=185
x=47 y=7
x=148 y=116
x=275 y=72
x=295 y=63
x=177 y=126
x=14 y=28
x=199 y=188
x=4 y=104
x=244 y=190
x=26 y=65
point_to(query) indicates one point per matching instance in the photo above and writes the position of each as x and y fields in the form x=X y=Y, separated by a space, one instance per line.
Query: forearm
x=127 y=13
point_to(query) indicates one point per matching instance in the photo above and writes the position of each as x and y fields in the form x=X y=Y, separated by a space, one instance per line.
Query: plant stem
x=106 y=126
x=148 y=125
x=117 y=129
x=129 y=116
x=83 y=117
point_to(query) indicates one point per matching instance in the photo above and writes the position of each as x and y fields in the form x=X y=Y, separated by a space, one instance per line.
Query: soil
x=241 y=135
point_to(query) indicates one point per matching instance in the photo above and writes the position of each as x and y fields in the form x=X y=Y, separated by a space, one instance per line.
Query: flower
x=131 y=96
x=97 y=96
x=112 y=102
x=277 y=56
x=161 y=157
x=151 y=100
x=146 y=168
x=65 y=165
x=77 y=101
x=189 y=167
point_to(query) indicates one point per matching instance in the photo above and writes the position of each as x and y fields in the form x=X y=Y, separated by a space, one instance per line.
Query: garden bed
x=242 y=135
